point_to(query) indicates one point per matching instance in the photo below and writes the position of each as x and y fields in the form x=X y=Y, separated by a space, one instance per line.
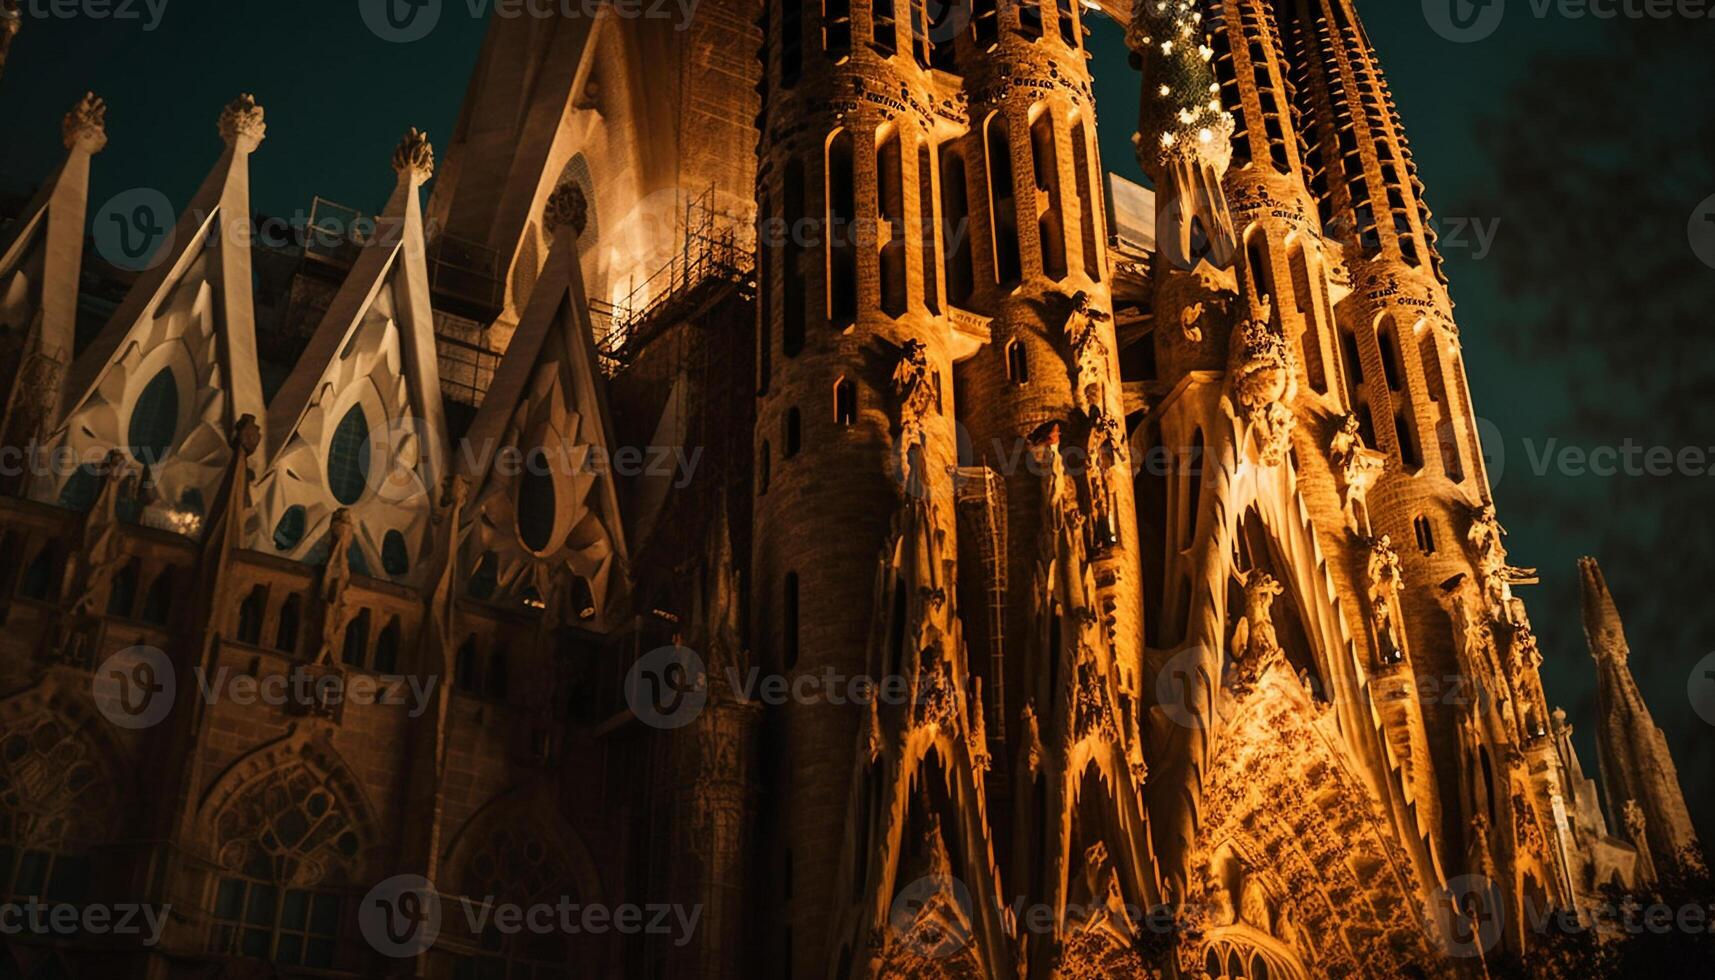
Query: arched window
x=536 y=504
x=796 y=232
x=387 y=648
x=1387 y=338
x=791 y=42
x=484 y=579
x=885 y=29
x=1050 y=222
x=927 y=226
x=40 y=578
x=793 y=432
x=1003 y=206
x=890 y=197
x=1068 y=26
x=842 y=300
x=250 y=613
x=1087 y=219
x=395 y=554
x=1410 y=448
x=985 y=24
x=1017 y=362
x=356 y=648
x=81 y=488
x=837 y=28
x=789 y=621
x=290 y=529
x=920 y=45
x=155 y=419
x=956 y=227
x=1030 y=18
x=122 y=591
x=286 y=634
x=497 y=671
x=1256 y=264
x=158 y=601
x=465 y=667
x=845 y=402
x=1305 y=297
x=766 y=232
x=942 y=29
x=348 y=458
x=1425 y=534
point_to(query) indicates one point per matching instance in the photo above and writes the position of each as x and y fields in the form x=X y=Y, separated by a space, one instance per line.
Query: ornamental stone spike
x=241 y=124
x=566 y=207
x=85 y=126
x=414 y=157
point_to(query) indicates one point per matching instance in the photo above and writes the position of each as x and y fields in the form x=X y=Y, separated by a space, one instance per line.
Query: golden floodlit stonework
x=759 y=483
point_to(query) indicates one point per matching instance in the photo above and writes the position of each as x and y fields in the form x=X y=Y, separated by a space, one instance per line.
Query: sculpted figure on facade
x=1490 y=554
x=1358 y=468
x=914 y=386
x=1089 y=353
x=1104 y=453
x=1385 y=583
x=1263 y=384
x=1255 y=645
x=331 y=588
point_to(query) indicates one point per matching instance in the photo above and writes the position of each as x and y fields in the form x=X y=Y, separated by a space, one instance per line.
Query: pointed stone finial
x=241 y=124
x=566 y=208
x=1602 y=627
x=85 y=125
x=414 y=157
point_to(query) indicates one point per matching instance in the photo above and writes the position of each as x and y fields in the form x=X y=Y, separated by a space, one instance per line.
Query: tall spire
x=1632 y=752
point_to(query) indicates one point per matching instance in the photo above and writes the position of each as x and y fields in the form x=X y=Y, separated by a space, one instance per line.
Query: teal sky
x=338 y=97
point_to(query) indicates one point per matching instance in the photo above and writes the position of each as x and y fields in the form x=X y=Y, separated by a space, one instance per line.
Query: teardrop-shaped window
x=348 y=458
x=536 y=506
x=155 y=419
x=395 y=556
x=290 y=530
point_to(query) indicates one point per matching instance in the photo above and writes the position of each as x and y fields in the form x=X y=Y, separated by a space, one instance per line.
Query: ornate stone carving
x=414 y=156
x=85 y=126
x=241 y=124
x=1490 y=554
x=331 y=589
x=1254 y=645
x=567 y=207
x=93 y=566
x=1358 y=468
x=1385 y=583
x=1263 y=382
x=1191 y=323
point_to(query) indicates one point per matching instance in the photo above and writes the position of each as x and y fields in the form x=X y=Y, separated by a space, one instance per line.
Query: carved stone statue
x=914 y=386
x=1385 y=583
x=1255 y=645
x=1104 y=451
x=86 y=125
x=1263 y=382
x=93 y=565
x=1490 y=554
x=1089 y=353
x=414 y=156
x=331 y=590
x=241 y=124
x=1358 y=469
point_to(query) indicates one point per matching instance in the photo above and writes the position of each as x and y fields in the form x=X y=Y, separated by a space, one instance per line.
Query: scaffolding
x=717 y=253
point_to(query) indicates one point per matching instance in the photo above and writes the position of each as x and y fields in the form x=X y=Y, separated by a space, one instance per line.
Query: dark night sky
x=338 y=97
